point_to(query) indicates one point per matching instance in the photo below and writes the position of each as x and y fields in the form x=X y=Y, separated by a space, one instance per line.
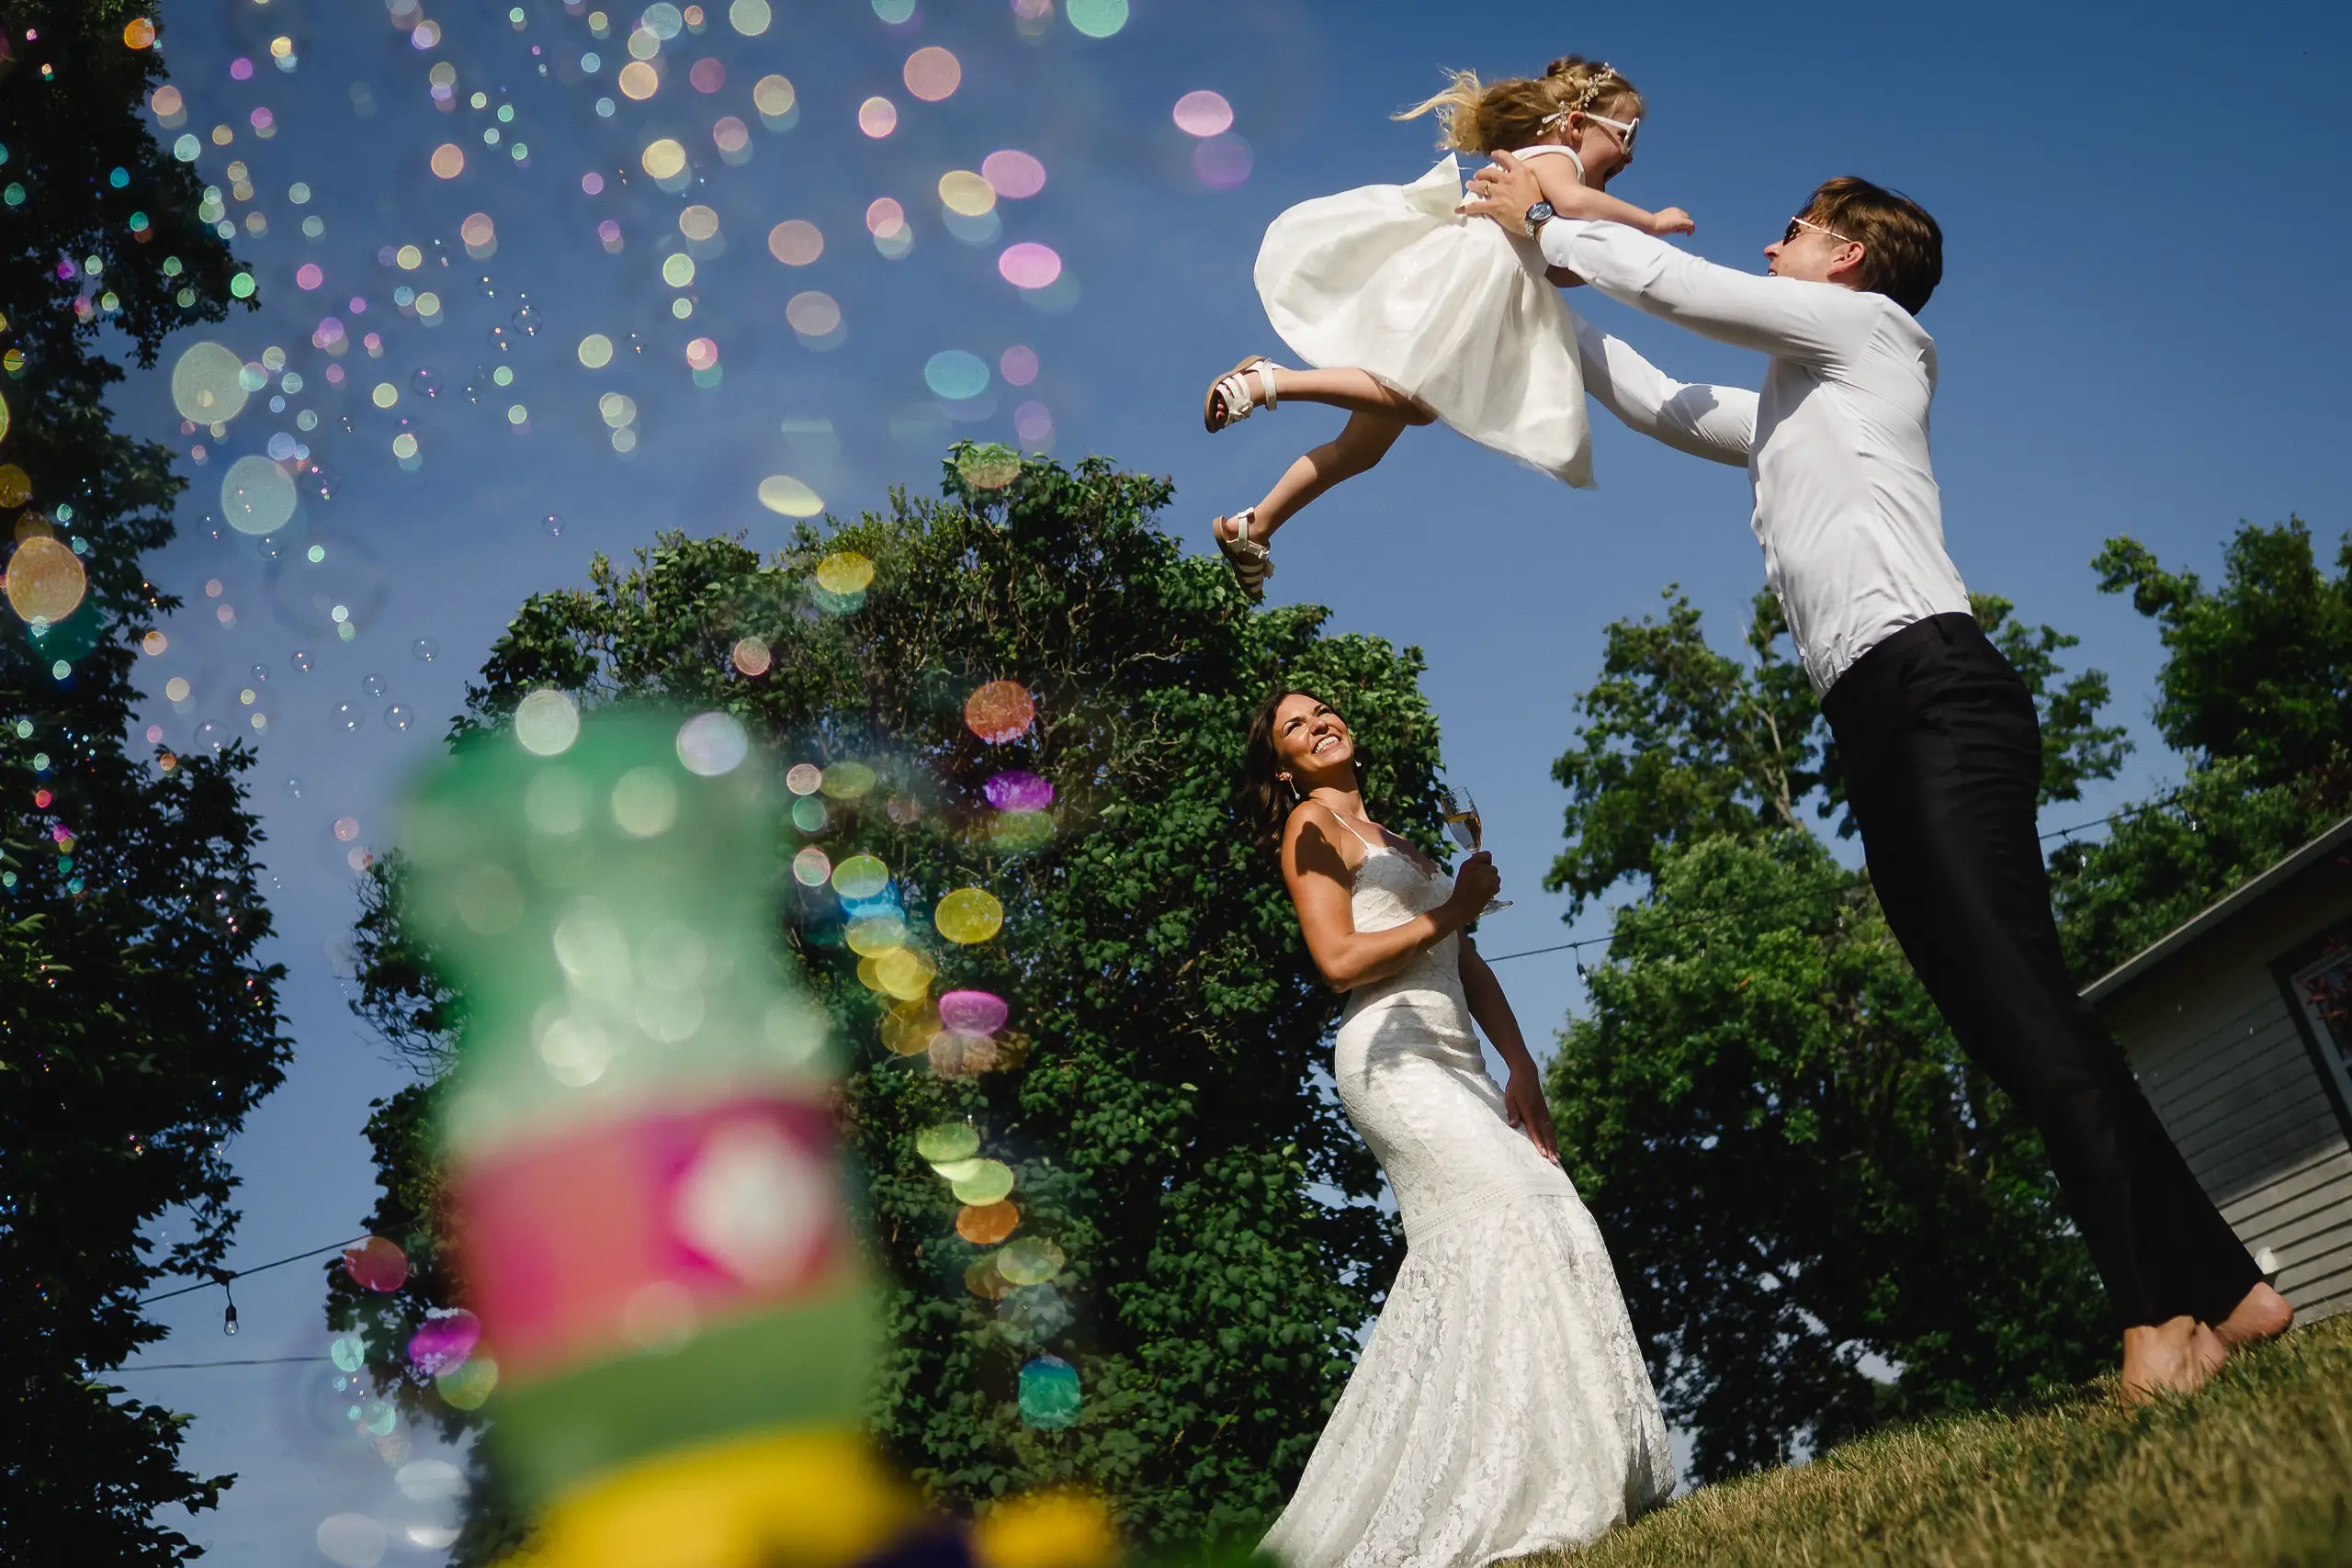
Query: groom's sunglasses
x=1788 y=237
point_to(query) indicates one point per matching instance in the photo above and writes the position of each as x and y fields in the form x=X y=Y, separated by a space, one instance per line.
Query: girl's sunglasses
x=1626 y=129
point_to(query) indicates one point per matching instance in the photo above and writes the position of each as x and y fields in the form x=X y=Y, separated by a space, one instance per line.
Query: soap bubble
x=712 y=743
x=256 y=497
x=948 y=1140
x=546 y=722
x=988 y=1224
x=968 y=915
x=352 y=1541
x=1019 y=790
x=1049 y=1393
x=974 y=1013
x=991 y=1181
x=861 y=877
x=845 y=572
x=1031 y=1260
x=45 y=580
x=1203 y=113
x=445 y=1339
x=999 y=710
x=376 y=1263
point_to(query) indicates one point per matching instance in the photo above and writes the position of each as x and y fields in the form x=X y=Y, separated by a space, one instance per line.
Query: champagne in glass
x=1462 y=821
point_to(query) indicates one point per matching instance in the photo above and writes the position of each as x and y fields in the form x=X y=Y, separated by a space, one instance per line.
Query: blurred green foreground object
x=648 y=1183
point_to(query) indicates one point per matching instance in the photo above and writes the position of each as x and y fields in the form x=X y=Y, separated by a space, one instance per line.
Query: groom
x=1941 y=746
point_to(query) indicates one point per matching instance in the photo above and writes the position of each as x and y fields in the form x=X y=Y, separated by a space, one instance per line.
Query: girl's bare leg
x=1362 y=443
x=1358 y=391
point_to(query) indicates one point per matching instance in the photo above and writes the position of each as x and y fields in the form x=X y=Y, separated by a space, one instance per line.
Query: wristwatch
x=1537 y=215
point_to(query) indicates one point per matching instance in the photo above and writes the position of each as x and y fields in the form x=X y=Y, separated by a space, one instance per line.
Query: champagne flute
x=1462 y=821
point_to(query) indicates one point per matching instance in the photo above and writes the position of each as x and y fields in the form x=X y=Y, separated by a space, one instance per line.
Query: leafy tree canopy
x=2259 y=668
x=136 y=1026
x=2257 y=687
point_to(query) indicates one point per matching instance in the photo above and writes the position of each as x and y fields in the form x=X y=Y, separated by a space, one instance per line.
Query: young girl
x=1435 y=315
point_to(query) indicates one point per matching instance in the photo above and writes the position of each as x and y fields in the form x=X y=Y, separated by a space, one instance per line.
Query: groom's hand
x=1504 y=193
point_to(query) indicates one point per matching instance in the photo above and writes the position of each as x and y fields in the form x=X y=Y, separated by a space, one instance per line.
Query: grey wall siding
x=2225 y=1065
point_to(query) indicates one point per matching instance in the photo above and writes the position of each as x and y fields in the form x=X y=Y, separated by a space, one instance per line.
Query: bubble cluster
x=919 y=932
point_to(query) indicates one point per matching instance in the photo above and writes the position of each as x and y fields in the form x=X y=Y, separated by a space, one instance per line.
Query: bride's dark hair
x=1266 y=800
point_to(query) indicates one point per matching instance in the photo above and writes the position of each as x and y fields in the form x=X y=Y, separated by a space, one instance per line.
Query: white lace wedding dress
x=1501 y=1406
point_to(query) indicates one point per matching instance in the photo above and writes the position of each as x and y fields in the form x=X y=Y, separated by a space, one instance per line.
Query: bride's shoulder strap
x=1352 y=828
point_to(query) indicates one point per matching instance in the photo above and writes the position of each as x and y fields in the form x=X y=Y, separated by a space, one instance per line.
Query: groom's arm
x=1716 y=422
x=1817 y=323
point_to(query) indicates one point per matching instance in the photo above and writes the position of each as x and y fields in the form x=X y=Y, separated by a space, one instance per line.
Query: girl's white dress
x=1448 y=309
x=1501 y=1406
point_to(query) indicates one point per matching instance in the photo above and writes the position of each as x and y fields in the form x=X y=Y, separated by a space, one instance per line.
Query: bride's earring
x=1295 y=799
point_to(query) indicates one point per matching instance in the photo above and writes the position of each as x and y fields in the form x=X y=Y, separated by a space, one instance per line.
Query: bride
x=1501 y=1406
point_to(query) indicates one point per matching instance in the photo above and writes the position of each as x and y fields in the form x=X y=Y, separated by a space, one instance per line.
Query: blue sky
x=2138 y=332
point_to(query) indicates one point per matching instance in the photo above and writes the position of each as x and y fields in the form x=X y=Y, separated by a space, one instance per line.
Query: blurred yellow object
x=803 y=1499
x=1056 y=1529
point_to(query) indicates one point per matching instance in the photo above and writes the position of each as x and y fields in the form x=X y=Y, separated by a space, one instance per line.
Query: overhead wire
x=222 y=1276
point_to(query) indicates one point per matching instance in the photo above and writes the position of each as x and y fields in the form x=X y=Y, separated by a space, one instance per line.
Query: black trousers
x=1942 y=756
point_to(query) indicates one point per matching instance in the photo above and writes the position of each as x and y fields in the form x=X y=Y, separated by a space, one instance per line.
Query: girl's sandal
x=1251 y=561
x=1230 y=399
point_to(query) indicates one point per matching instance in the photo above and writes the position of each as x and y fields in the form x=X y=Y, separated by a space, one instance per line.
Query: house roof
x=2246 y=896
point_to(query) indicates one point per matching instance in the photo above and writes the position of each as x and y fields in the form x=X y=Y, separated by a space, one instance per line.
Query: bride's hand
x=1524 y=1103
x=1474 y=886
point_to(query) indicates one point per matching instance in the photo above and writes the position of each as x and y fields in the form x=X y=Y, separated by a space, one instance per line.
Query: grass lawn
x=2254 y=1470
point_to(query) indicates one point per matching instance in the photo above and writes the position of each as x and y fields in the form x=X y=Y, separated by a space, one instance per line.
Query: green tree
x=2256 y=690
x=2261 y=668
x=1163 y=1117
x=136 y=1027
x=1797 y=1168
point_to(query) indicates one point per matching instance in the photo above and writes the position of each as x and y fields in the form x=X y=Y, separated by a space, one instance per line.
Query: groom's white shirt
x=1836 y=446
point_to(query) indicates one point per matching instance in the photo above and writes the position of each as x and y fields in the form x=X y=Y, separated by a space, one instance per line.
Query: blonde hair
x=1521 y=111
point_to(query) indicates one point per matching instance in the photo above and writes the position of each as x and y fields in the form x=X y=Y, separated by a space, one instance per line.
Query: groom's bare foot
x=2173 y=1357
x=2263 y=1314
